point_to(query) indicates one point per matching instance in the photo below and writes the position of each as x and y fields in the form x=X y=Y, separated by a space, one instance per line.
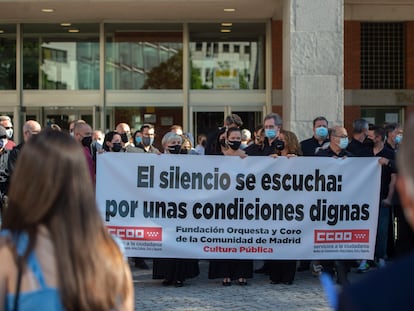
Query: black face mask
x=124 y=138
x=234 y=144
x=223 y=142
x=279 y=144
x=116 y=147
x=369 y=143
x=86 y=141
x=174 y=149
x=203 y=143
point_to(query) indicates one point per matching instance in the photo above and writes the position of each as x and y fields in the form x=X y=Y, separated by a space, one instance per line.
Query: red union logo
x=341 y=236
x=136 y=233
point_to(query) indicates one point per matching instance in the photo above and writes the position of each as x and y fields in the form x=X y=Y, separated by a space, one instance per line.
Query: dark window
x=382 y=56
x=226 y=48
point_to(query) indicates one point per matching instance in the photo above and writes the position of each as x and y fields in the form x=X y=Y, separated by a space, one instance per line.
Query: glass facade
x=61 y=58
x=230 y=61
x=143 y=56
x=7 y=57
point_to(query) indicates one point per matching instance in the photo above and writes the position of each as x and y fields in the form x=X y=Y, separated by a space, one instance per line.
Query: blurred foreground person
x=55 y=251
x=390 y=288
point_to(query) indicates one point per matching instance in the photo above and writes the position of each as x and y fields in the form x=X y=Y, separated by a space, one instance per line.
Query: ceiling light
x=225 y=30
x=1 y=31
x=73 y=30
x=48 y=10
x=65 y=24
x=226 y=24
x=229 y=10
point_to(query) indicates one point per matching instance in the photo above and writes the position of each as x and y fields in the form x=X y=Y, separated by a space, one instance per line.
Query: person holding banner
x=174 y=270
x=390 y=288
x=337 y=149
x=272 y=124
x=230 y=269
x=55 y=251
x=112 y=142
x=283 y=271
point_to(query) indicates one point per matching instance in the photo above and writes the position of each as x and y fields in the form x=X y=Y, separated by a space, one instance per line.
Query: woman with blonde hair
x=55 y=251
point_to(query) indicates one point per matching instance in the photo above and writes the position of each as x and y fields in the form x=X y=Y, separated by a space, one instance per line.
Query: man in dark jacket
x=390 y=288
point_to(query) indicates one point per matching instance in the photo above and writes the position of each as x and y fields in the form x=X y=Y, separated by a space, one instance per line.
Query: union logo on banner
x=136 y=233
x=341 y=236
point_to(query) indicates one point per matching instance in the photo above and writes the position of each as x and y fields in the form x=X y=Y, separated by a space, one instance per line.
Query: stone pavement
x=200 y=293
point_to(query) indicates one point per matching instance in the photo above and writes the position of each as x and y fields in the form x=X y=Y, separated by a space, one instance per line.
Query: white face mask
x=9 y=133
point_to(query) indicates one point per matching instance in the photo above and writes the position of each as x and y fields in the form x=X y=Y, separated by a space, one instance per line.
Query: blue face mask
x=147 y=141
x=138 y=140
x=321 y=131
x=270 y=133
x=398 y=139
x=343 y=143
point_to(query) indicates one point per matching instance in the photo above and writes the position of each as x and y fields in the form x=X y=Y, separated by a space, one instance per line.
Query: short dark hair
x=320 y=118
x=233 y=118
x=359 y=125
x=146 y=126
x=274 y=116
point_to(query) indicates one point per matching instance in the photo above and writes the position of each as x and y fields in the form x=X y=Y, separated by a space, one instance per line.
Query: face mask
x=223 y=142
x=86 y=141
x=147 y=141
x=398 y=139
x=203 y=143
x=343 y=143
x=368 y=142
x=270 y=133
x=234 y=144
x=9 y=133
x=321 y=131
x=138 y=140
x=174 y=149
x=279 y=144
x=124 y=138
x=116 y=147
x=72 y=134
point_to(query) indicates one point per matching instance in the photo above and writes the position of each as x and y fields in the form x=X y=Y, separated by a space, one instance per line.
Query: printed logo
x=137 y=233
x=341 y=236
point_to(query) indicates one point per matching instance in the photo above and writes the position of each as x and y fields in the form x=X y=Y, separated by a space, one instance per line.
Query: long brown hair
x=51 y=186
x=291 y=142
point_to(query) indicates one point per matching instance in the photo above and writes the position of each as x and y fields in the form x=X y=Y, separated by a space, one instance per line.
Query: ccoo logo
x=341 y=236
x=137 y=233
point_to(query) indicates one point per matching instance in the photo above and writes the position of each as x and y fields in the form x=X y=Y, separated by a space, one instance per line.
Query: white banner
x=188 y=206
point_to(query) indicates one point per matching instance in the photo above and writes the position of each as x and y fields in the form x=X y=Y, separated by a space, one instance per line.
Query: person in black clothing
x=356 y=146
x=30 y=128
x=394 y=134
x=232 y=120
x=390 y=288
x=388 y=178
x=309 y=148
x=271 y=127
x=267 y=144
x=319 y=138
x=337 y=149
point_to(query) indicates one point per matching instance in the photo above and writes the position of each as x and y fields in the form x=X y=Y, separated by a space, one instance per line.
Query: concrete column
x=312 y=64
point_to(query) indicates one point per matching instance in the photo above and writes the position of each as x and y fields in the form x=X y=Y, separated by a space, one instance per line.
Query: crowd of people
x=268 y=139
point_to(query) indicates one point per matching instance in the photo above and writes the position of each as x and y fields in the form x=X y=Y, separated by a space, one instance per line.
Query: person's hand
x=291 y=155
x=273 y=155
x=383 y=161
x=386 y=202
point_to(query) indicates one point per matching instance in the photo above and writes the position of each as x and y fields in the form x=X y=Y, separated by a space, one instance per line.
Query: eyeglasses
x=8 y=127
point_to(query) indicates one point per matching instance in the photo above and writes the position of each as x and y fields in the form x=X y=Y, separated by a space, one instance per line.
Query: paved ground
x=201 y=293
